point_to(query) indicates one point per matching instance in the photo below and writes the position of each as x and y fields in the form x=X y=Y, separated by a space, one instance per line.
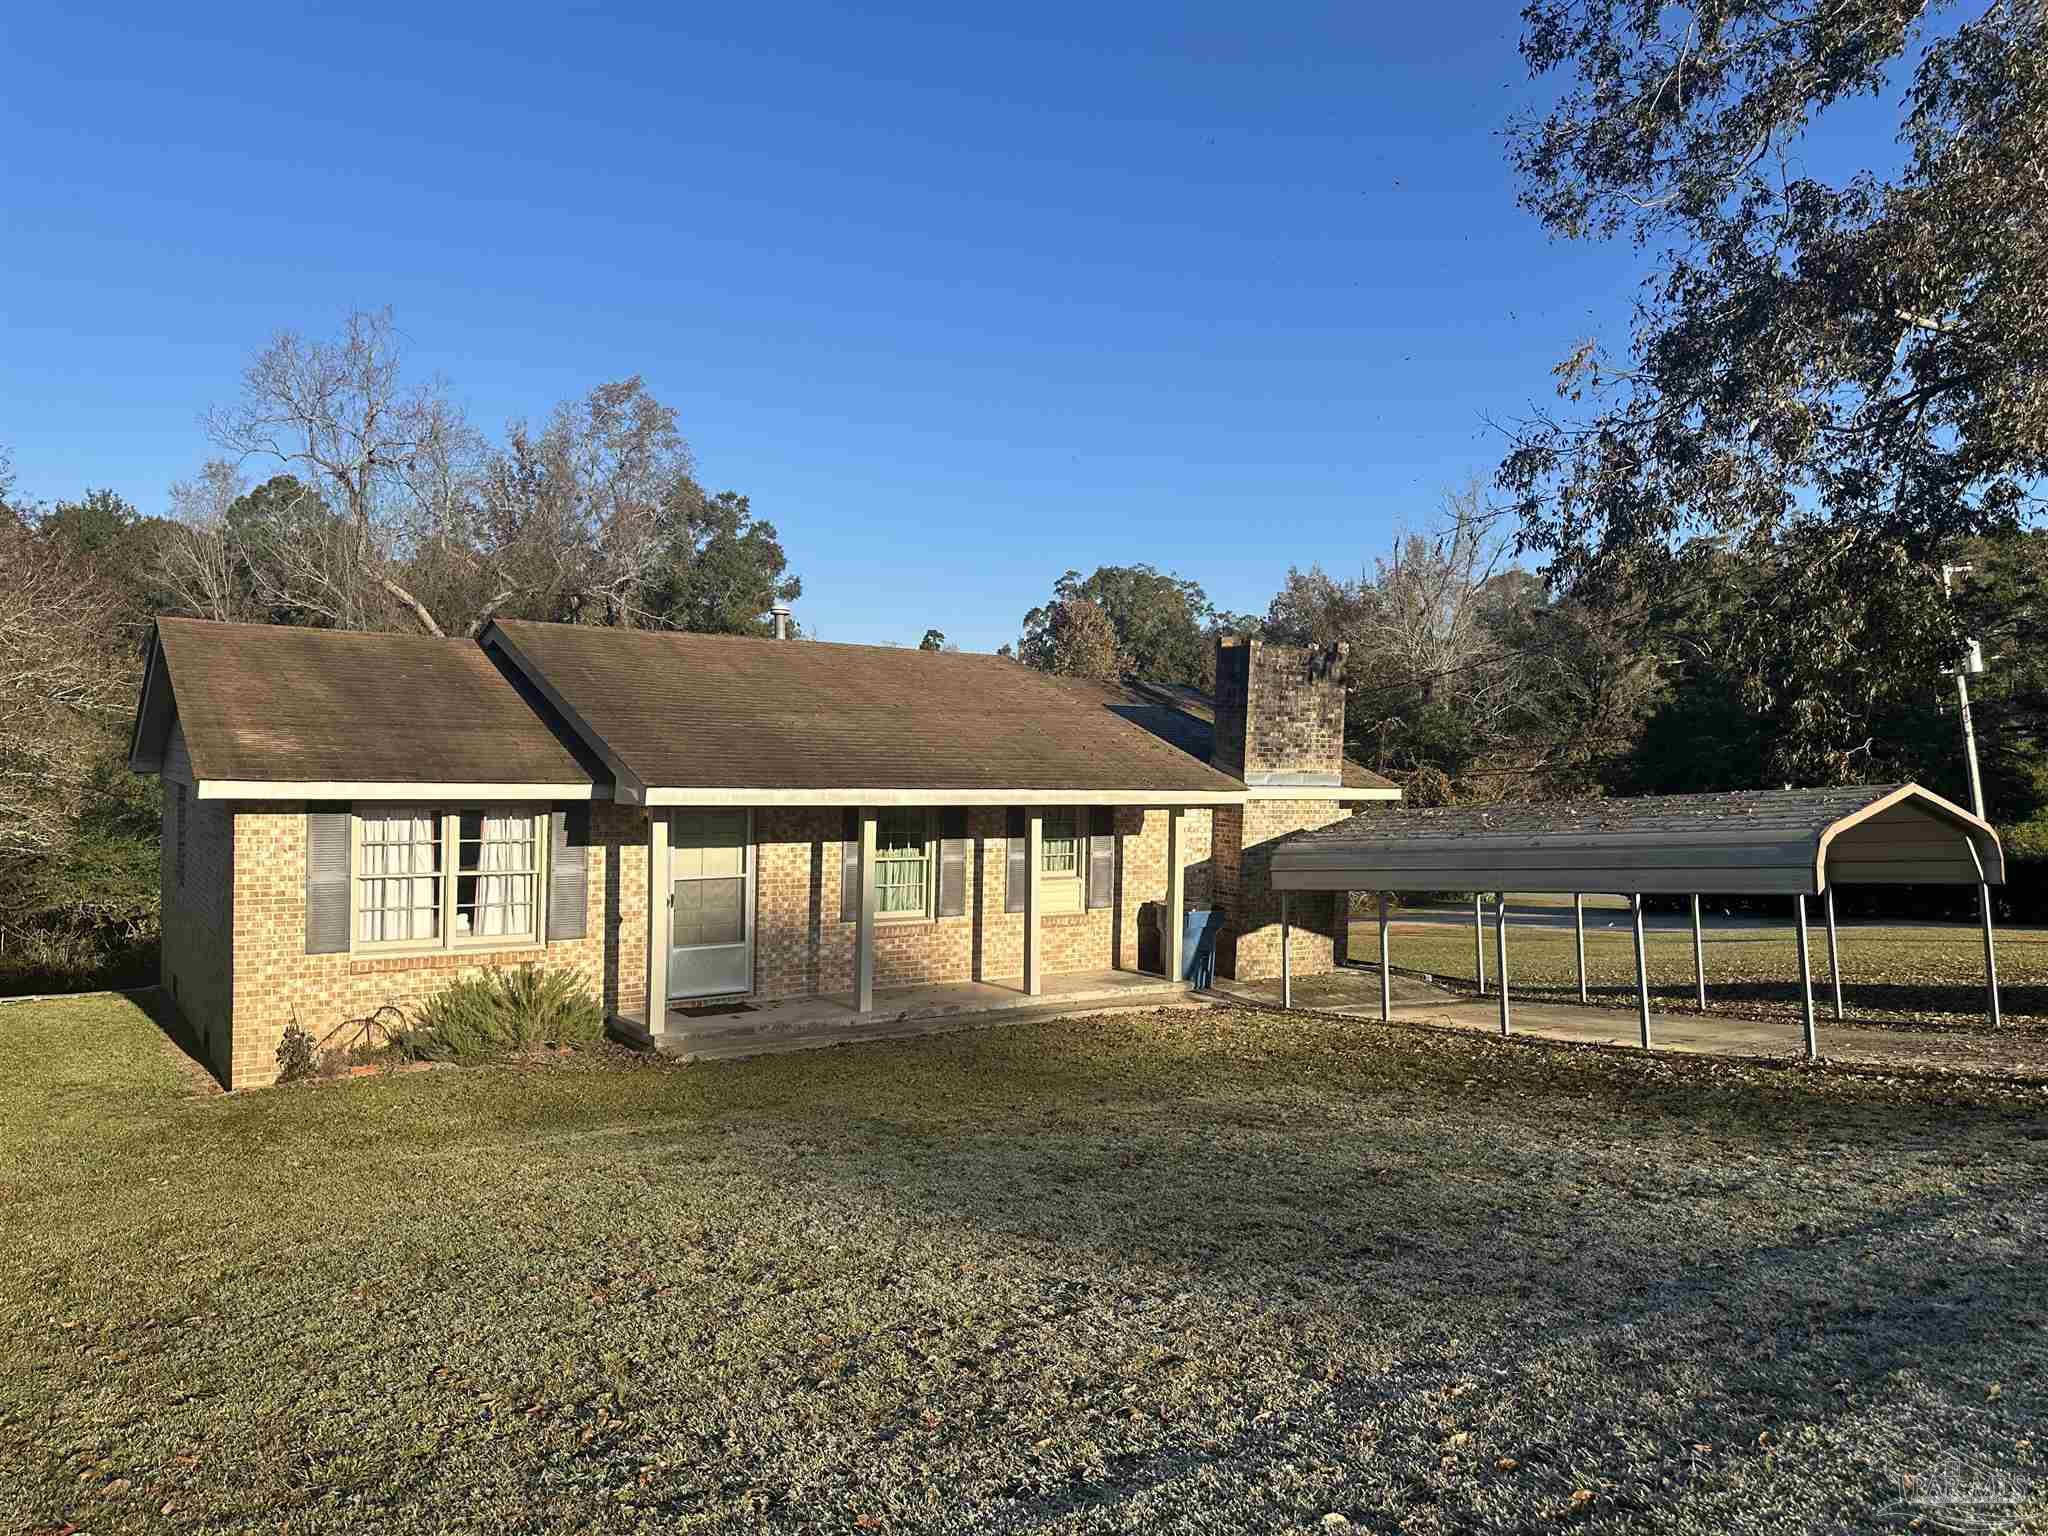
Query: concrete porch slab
x=811 y=1023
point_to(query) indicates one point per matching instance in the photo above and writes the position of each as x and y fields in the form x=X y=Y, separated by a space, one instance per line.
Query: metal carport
x=1796 y=842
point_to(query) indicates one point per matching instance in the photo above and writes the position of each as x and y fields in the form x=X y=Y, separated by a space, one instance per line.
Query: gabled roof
x=679 y=717
x=1750 y=843
x=276 y=707
x=1186 y=717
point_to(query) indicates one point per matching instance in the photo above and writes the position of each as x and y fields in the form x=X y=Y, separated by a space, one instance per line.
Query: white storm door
x=711 y=904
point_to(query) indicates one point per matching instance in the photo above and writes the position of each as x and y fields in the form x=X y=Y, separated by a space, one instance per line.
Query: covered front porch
x=1037 y=902
x=721 y=1030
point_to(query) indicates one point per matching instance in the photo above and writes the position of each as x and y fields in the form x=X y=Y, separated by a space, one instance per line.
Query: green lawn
x=1925 y=976
x=1191 y=1270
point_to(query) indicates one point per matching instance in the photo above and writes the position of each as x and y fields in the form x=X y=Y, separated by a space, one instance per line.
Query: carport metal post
x=1579 y=931
x=1990 y=955
x=1500 y=950
x=1834 y=954
x=1990 y=951
x=1699 y=959
x=1805 y=979
x=1386 y=976
x=1642 y=972
x=1479 y=938
x=1286 y=957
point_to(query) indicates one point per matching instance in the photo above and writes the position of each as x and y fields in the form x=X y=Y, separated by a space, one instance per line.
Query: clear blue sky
x=960 y=298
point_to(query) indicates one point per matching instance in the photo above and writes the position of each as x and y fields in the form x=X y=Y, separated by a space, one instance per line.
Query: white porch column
x=660 y=893
x=1176 y=896
x=864 y=924
x=1034 y=875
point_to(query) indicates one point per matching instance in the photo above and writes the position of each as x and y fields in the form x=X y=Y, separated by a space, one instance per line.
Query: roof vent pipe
x=780 y=613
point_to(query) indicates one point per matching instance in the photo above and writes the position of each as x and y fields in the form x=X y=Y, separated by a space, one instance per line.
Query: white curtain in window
x=505 y=894
x=402 y=898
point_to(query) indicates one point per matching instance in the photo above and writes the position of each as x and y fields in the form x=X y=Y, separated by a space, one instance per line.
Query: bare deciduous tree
x=66 y=680
x=386 y=457
x=578 y=513
x=388 y=508
x=1432 y=689
x=200 y=565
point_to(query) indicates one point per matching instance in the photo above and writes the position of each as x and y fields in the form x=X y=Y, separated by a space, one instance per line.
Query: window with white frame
x=903 y=862
x=1059 y=862
x=444 y=878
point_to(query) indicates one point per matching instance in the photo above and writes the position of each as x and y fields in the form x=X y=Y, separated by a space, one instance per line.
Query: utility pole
x=1970 y=661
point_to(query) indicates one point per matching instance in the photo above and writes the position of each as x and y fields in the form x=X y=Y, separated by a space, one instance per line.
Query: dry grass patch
x=1188 y=1270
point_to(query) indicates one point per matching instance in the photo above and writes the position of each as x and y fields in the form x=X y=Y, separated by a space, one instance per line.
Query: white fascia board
x=943 y=797
x=357 y=789
x=1317 y=792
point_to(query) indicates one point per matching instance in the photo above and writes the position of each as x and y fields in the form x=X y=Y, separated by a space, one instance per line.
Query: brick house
x=351 y=821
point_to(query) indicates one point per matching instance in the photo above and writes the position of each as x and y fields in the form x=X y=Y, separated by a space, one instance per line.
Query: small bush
x=504 y=1011
x=297 y=1055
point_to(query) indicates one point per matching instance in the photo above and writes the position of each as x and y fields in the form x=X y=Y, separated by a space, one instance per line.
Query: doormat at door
x=710 y=1010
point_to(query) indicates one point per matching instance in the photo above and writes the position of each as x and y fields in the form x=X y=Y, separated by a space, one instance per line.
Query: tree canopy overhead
x=1869 y=354
x=1159 y=626
x=385 y=507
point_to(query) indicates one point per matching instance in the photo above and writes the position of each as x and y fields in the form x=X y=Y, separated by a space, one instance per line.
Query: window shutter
x=849 y=868
x=327 y=881
x=569 y=873
x=952 y=863
x=1013 y=870
x=1101 y=857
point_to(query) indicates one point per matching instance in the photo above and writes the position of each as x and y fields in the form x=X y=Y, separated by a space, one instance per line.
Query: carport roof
x=1748 y=843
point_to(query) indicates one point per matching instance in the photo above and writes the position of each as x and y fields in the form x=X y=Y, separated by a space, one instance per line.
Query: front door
x=711 y=938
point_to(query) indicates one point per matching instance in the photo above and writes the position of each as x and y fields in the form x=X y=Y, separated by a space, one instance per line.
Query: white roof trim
x=1318 y=792
x=945 y=797
x=358 y=789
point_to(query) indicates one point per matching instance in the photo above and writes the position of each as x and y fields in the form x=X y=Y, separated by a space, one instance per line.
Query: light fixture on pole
x=1972 y=660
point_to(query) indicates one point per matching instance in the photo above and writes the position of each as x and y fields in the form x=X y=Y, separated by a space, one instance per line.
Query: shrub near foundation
x=502 y=1012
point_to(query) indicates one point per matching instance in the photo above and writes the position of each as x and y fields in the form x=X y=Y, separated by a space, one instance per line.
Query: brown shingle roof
x=268 y=703
x=683 y=711
x=1186 y=717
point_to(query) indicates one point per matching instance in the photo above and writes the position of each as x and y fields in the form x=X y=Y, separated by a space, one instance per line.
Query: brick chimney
x=1279 y=712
